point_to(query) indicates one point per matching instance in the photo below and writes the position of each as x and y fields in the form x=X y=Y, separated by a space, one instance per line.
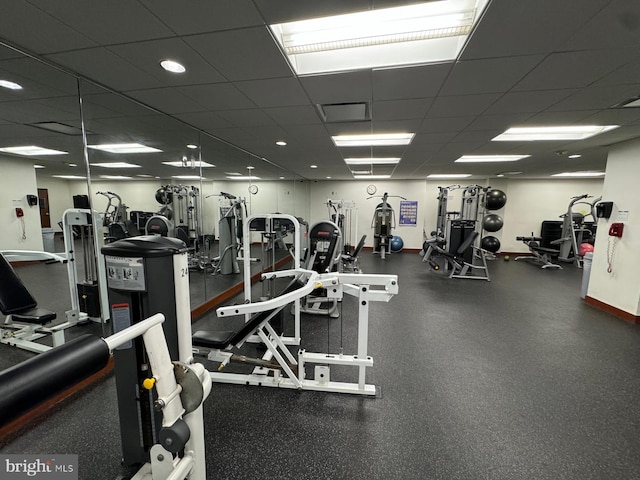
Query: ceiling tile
x=216 y=96
x=200 y=16
x=409 y=82
x=535 y=101
x=97 y=20
x=596 y=98
x=251 y=117
x=244 y=54
x=400 y=109
x=350 y=87
x=204 y=120
x=293 y=116
x=488 y=75
x=274 y=92
x=444 y=124
x=461 y=105
x=166 y=101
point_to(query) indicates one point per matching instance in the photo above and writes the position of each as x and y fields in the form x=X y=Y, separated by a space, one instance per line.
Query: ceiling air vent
x=344 y=112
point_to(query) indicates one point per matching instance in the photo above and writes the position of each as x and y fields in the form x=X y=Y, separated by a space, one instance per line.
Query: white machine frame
x=337 y=284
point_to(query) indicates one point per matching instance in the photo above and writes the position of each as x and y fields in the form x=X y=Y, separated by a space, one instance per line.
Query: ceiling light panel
x=69 y=177
x=490 y=158
x=421 y=33
x=10 y=85
x=530 y=134
x=115 y=177
x=196 y=163
x=116 y=165
x=372 y=161
x=32 y=150
x=373 y=140
x=371 y=177
x=579 y=174
x=242 y=177
x=124 y=148
x=449 y=175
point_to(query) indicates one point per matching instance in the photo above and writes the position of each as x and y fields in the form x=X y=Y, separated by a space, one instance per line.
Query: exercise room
x=382 y=240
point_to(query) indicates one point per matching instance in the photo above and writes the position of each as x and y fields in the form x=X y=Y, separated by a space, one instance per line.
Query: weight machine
x=574 y=230
x=383 y=223
x=115 y=218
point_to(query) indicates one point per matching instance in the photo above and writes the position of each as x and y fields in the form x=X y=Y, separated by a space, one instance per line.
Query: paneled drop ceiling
x=527 y=63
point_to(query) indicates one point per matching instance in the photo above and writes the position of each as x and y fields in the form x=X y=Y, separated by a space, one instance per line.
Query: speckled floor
x=512 y=379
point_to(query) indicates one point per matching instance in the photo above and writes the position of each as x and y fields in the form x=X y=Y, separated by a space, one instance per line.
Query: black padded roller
x=40 y=378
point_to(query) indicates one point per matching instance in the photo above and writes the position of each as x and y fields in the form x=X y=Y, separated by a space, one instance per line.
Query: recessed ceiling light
x=530 y=134
x=116 y=165
x=192 y=146
x=188 y=177
x=115 y=177
x=372 y=161
x=243 y=177
x=72 y=165
x=31 y=150
x=281 y=143
x=124 y=148
x=500 y=175
x=449 y=175
x=373 y=140
x=328 y=178
x=373 y=177
x=39 y=166
x=250 y=167
x=381 y=37
x=578 y=174
x=313 y=166
x=10 y=85
x=196 y=163
x=232 y=173
x=575 y=155
x=281 y=178
x=69 y=177
x=490 y=158
x=172 y=66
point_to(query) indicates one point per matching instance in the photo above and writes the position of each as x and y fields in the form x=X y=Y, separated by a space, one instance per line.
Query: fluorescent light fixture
x=69 y=177
x=232 y=173
x=116 y=165
x=115 y=177
x=578 y=174
x=243 y=177
x=249 y=167
x=10 y=85
x=188 y=177
x=281 y=178
x=72 y=165
x=373 y=177
x=39 y=166
x=145 y=176
x=281 y=143
x=490 y=158
x=192 y=146
x=372 y=161
x=31 y=150
x=361 y=172
x=449 y=175
x=530 y=134
x=373 y=140
x=313 y=166
x=197 y=163
x=124 y=148
x=575 y=155
x=172 y=66
x=328 y=178
x=422 y=33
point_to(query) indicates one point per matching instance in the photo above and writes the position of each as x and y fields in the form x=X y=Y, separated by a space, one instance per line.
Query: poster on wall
x=408 y=213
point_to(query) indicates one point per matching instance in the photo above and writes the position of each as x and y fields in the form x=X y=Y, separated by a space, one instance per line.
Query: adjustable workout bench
x=455 y=261
x=541 y=255
x=350 y=262
x=279 y=367
x=25 y=322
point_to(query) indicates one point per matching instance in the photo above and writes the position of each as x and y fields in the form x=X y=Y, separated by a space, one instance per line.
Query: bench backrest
x=14 y=296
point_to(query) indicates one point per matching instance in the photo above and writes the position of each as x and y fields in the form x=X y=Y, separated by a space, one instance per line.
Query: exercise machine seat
x=15 y=299
x=40 y=378
x=354 y=255
x=226 y=338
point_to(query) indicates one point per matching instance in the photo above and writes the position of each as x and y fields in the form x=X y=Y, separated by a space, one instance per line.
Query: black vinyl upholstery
x=40 y=378
x=15 y=299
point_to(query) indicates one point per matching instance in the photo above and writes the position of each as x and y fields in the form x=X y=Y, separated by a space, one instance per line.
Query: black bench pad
x=34 y=315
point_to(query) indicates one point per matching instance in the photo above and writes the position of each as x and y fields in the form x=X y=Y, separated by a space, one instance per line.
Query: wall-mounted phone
x=32 y=200
x=604 y=209
x=19 y=212
x=616 y=229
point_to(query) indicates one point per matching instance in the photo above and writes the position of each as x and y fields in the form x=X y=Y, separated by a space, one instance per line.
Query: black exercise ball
x=490 y=244
x=496 y=199
x=163 y=196
x=492 y=222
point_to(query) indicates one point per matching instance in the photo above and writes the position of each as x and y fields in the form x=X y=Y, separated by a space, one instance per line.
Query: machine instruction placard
x=408 y=213
x=125 y=273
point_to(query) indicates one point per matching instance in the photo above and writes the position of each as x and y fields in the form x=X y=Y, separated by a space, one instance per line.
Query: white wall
x=619 y=288
x=18 y=180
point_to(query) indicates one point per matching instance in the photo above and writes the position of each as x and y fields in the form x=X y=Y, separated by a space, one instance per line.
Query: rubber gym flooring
x=515 y=378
